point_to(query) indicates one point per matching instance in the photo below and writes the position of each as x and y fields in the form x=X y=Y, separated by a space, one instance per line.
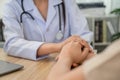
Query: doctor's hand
x=73 y=52
x=71 y=38
x=74 y=38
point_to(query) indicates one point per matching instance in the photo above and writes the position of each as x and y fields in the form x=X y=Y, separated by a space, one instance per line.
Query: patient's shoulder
x=104 y=66
x=114 y=48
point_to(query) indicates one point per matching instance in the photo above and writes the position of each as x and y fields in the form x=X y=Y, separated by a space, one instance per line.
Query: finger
x=85 y=44
x=84 y=54
x=78 y=44
x=75 y=38
x=56 y=59
x=75 y=65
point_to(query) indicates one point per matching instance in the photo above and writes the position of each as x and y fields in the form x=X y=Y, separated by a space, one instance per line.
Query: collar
x=29 y=4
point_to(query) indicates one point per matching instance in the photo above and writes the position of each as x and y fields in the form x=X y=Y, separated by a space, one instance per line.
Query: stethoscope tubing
x=59 y=11
x=27 y=13
x=59 y=18
x=24 y=12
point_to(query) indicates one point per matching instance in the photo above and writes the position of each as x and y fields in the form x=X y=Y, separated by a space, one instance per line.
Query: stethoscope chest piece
x=59 y=35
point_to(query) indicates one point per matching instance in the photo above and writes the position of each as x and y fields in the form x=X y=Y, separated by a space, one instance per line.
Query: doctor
x=35 y=28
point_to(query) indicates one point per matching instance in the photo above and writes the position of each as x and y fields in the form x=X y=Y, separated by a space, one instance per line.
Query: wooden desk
x=33 y=70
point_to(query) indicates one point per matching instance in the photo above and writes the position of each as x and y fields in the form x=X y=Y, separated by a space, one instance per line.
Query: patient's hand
x=71 y=38
x=73 y=51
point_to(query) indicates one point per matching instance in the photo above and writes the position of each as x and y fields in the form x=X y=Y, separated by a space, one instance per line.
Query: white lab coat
x=23 y=40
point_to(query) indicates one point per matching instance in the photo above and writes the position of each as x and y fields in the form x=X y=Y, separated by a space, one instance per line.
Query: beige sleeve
x=105 y=66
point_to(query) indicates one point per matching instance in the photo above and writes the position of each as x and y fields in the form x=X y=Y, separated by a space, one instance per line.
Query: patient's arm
x=70 y=54
x=62 y=71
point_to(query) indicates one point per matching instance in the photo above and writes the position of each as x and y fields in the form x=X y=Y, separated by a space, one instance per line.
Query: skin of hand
x=91 y=52
x=89 y=56
x=69 y=54
x=72 y=51
x=72 y=38
x=84 y=44
x=55 y=47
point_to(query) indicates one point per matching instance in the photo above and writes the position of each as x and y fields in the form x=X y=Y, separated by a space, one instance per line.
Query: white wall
x=116 y=4
x=110 y=4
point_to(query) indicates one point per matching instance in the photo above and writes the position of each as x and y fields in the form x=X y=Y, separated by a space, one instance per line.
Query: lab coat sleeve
x=15 y=43
x=78 y=23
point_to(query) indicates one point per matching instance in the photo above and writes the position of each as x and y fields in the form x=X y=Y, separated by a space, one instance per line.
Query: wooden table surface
x=33 y=70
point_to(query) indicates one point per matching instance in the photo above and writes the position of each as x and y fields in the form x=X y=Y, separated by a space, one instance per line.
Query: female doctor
x=35 y=28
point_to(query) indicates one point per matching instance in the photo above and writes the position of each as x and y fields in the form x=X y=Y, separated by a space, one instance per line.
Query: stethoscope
x=60 y=34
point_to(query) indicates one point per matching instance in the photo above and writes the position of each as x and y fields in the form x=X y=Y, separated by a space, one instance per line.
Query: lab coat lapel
x=52 y=10
x=32 y=9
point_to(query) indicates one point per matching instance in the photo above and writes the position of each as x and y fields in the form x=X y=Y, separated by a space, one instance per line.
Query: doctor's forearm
x=47 y=48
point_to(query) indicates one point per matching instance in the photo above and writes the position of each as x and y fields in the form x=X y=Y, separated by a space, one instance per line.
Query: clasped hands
x=76 y=50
